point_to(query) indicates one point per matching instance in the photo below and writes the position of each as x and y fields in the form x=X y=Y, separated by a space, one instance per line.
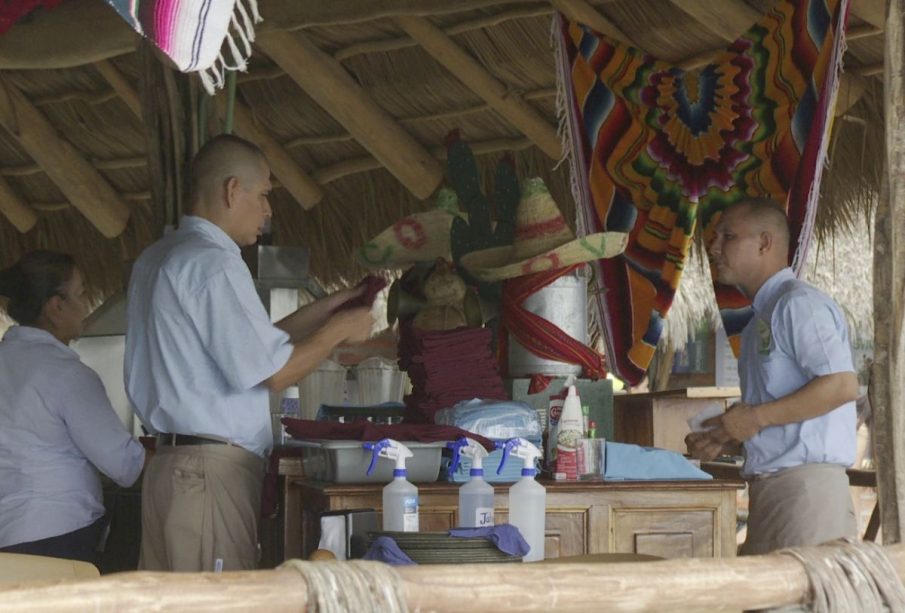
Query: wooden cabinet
x=668 y=519
x=659 y=419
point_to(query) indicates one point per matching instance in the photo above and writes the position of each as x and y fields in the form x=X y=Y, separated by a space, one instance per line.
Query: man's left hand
x=739 y=423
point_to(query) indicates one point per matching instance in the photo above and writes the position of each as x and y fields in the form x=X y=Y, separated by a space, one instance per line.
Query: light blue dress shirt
x=797 y=334
x=199 y=342
x=57 y=429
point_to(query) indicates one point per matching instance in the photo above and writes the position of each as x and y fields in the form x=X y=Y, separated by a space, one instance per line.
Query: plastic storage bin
x=379 y=380
x=326 y=385
x=347 y=462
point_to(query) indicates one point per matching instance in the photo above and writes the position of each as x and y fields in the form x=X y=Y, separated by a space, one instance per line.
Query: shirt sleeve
x=236 y=331
x=95 y=428
x=814 y=332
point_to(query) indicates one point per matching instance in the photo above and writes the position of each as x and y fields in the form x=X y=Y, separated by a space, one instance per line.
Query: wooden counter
x=664 y=518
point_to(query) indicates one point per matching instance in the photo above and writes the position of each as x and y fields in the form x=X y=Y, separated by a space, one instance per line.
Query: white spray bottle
x=476 y=496
x=527 y=498
x=400 y=497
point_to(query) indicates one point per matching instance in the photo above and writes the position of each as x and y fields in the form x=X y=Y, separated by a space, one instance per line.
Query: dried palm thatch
x=416 y=96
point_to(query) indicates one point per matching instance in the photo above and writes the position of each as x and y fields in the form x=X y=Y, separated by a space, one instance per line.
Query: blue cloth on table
x=385 y=549
x=506 y=537
x=626 y=462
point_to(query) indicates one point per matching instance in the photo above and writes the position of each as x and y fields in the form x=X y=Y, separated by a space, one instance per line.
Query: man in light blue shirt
x=201 y=357
x=797 y=417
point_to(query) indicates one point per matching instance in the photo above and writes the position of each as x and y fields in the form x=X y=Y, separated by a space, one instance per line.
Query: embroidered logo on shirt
x=764 y=337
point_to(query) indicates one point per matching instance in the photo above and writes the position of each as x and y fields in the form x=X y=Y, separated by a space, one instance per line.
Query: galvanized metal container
x=564 y=303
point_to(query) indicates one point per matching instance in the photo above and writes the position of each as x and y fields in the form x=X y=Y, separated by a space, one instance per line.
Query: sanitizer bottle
x=527 y=498
x=400 y=498
x=476 y=496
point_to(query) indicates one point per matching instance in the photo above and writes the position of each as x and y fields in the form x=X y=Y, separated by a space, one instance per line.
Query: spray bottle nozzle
x=390 y=449
x=519 y=448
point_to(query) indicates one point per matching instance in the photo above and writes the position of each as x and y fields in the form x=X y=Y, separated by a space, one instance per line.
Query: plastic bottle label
x=410 y=514
x=483 y=517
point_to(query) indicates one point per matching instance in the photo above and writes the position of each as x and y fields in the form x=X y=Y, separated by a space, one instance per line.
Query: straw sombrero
x=543 y=241
x=422 y=237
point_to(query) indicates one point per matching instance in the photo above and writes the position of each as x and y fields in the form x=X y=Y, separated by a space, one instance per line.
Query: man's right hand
x=354 y=324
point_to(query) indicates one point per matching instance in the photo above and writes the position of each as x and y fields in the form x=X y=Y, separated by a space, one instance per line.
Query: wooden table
x=664 y=518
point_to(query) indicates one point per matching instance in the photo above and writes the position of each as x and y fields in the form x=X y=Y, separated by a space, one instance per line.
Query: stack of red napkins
x=446 y=367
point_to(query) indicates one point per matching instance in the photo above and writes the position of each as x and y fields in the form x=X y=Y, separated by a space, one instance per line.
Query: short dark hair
x=29 y=283
x=765 y=210
x=221 y=154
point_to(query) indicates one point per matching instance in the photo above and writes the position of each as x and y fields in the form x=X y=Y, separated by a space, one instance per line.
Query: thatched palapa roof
x=352 y=101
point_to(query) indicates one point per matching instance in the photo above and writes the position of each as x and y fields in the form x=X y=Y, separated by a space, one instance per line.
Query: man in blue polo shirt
x=201 y=357
x=796 y=419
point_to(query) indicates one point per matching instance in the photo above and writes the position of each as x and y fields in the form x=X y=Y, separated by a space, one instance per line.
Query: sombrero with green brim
x=422 y=237
x=543 y=241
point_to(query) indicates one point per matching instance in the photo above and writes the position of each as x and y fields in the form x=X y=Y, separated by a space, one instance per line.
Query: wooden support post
x=300 y=185
x=123 y=88
x=15 y=210
x=327 y=82
x=509 y=105
x=83 y=186
x=888 y=376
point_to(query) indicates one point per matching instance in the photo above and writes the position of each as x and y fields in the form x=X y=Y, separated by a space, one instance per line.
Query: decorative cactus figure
x=478 y=232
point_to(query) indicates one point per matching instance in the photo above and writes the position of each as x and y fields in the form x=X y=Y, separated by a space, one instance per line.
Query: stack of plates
x=440 y=548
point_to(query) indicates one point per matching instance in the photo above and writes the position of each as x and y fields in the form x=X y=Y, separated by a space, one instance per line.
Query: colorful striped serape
x=656 y=149
x=193 y=33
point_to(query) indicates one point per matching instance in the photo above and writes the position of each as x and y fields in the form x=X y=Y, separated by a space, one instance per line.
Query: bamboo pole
x=15 y=210
x=508 y=104
x=327 y=82
x=888 y=376
x=299 y=184
x=696 y=584
x=82 y=185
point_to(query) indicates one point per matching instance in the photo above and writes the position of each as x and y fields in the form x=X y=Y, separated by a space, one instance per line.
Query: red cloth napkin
x=367 y=431
x=372 y=285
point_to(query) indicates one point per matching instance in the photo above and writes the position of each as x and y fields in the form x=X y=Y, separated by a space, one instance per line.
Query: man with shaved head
x=201 y=358
x=796 y=420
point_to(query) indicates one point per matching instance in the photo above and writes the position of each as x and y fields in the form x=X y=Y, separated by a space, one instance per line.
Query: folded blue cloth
x=506 y=537
x=385 y=549
x=632 y=462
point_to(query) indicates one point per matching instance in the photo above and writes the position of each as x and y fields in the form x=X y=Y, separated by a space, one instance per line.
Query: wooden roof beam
x=581 y=12
x=15 y=210
x=328 y=83
x=82 y=185
x=299 y=184
x=123 y=89
x=733 y=18
x=510 y=106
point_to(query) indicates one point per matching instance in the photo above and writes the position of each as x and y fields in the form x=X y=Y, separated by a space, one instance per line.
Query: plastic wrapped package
x=496 y=419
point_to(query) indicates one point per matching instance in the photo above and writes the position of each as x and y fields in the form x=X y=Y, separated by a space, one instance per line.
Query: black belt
x=173 y=440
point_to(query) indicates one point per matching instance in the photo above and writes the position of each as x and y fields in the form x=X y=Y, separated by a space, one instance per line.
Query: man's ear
x=766 y=241
x=231 y=186
x=52 y=308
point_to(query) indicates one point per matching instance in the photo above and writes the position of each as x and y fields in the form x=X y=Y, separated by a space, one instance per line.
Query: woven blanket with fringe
x=657 y=151
x=198 y=35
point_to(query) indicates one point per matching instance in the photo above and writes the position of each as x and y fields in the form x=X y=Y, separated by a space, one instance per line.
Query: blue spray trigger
x=507 y=448
x=456 y=446
x=374 y=448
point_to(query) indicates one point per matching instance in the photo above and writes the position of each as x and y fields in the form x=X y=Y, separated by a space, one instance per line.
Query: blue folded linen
x=506 y=537
x=385 y=549
x=626 y=462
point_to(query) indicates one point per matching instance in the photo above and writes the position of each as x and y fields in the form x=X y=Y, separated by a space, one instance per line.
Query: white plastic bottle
x=400 y=497
x=571 y=431
x=527 y=498
x=476 y=496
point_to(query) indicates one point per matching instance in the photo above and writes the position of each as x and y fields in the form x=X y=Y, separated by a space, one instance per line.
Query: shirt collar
x=766 y=292
x=199 y=225
x=30 y=334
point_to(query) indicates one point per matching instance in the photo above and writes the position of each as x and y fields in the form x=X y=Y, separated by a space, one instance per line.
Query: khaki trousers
x=804 y=505
x=199 y=509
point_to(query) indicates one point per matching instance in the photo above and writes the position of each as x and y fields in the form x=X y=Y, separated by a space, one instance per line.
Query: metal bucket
x=564 y=303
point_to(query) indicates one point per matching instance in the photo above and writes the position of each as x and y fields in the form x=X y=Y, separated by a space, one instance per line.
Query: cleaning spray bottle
x=400 y=498
x=476 y=496
x=527 y=498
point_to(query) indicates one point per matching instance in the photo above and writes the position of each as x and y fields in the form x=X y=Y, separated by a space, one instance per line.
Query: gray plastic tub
x=347 y=462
